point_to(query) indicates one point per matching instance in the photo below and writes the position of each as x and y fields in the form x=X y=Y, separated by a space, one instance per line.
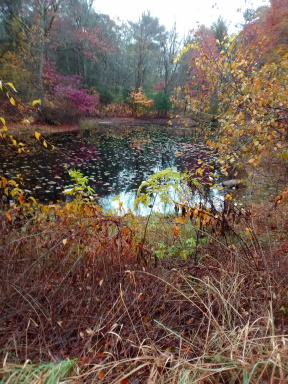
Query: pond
x=116 y=160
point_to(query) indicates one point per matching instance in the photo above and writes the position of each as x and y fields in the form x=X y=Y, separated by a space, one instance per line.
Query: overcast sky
x=186 y=13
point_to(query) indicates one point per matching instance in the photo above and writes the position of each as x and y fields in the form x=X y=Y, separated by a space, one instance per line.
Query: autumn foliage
x=197 y=295
x=242 y=81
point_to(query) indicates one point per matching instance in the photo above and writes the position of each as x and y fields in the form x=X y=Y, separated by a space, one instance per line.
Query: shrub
x=66 y=99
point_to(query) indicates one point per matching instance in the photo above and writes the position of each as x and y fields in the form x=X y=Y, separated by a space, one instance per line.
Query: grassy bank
x=87 y=297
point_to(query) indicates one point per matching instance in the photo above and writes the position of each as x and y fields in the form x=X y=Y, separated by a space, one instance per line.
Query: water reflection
x=116 y=160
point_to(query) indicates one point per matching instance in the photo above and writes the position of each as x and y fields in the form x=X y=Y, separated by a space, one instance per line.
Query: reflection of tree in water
x=114 y=159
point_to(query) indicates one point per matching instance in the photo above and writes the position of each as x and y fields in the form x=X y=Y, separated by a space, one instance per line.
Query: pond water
x=115 y=158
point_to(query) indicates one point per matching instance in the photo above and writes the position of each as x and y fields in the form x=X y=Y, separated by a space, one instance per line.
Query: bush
x=65 y=98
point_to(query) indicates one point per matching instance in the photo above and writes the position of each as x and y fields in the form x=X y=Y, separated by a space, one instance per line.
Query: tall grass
x=73 y=295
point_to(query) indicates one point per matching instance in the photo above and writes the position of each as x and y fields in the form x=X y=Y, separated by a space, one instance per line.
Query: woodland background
x=199 y=296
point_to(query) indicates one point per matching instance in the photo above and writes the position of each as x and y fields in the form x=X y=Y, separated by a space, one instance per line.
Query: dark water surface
x=115 y=158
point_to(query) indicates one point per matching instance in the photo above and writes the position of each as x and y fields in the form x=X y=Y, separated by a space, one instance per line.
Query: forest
x=143 y=197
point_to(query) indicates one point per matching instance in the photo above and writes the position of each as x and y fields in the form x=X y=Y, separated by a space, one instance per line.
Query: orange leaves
x=176 y=231
x=140 y=101
x=251 y=100
x=3 y=182
x=257 y=84
x=8 y=216
x=101 y=375
x=180 y=220
x=248 y=232
x=280 y=199
x=140 y=98
x=201 y=216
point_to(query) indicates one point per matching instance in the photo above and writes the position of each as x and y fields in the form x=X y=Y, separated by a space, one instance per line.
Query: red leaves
x=68 y=88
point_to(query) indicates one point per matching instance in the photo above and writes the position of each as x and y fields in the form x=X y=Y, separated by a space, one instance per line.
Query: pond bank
x=20 y=128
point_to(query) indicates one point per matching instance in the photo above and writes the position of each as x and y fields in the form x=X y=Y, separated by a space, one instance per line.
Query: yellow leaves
x=248 y=232
x=44 y=142
x=32 y=199
x=25 y=121
x=3 y=121
x=11 y=85
x=35 y=102
x=180 y=220
x=37 y=135
x=12 y=101
x=64 y=241
x=210 y=143
x=13 y=182
x=14 y=192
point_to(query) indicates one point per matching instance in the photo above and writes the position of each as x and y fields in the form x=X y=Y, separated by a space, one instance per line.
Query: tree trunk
x=41 y=52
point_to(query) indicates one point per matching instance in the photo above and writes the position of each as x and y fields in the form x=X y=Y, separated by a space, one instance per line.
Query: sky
x=186 y=13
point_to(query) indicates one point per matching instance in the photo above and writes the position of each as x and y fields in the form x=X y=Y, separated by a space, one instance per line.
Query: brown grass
x=71 y=288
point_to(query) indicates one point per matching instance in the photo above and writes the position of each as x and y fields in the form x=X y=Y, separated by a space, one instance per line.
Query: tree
x=168 y=65
x=251 y=90
x=219 y=29
x=147 y=37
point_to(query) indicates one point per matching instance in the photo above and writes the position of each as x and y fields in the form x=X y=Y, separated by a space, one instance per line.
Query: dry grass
x=71 y=289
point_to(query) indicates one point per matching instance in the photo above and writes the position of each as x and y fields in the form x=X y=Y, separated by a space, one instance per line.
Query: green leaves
x=81 y=187
x=160 y=184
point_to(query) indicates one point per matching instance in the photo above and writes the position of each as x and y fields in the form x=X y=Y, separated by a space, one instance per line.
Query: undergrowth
x=78 y=306
x=73 y=295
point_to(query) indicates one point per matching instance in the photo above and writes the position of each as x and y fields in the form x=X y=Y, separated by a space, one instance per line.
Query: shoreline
x=21 y=128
